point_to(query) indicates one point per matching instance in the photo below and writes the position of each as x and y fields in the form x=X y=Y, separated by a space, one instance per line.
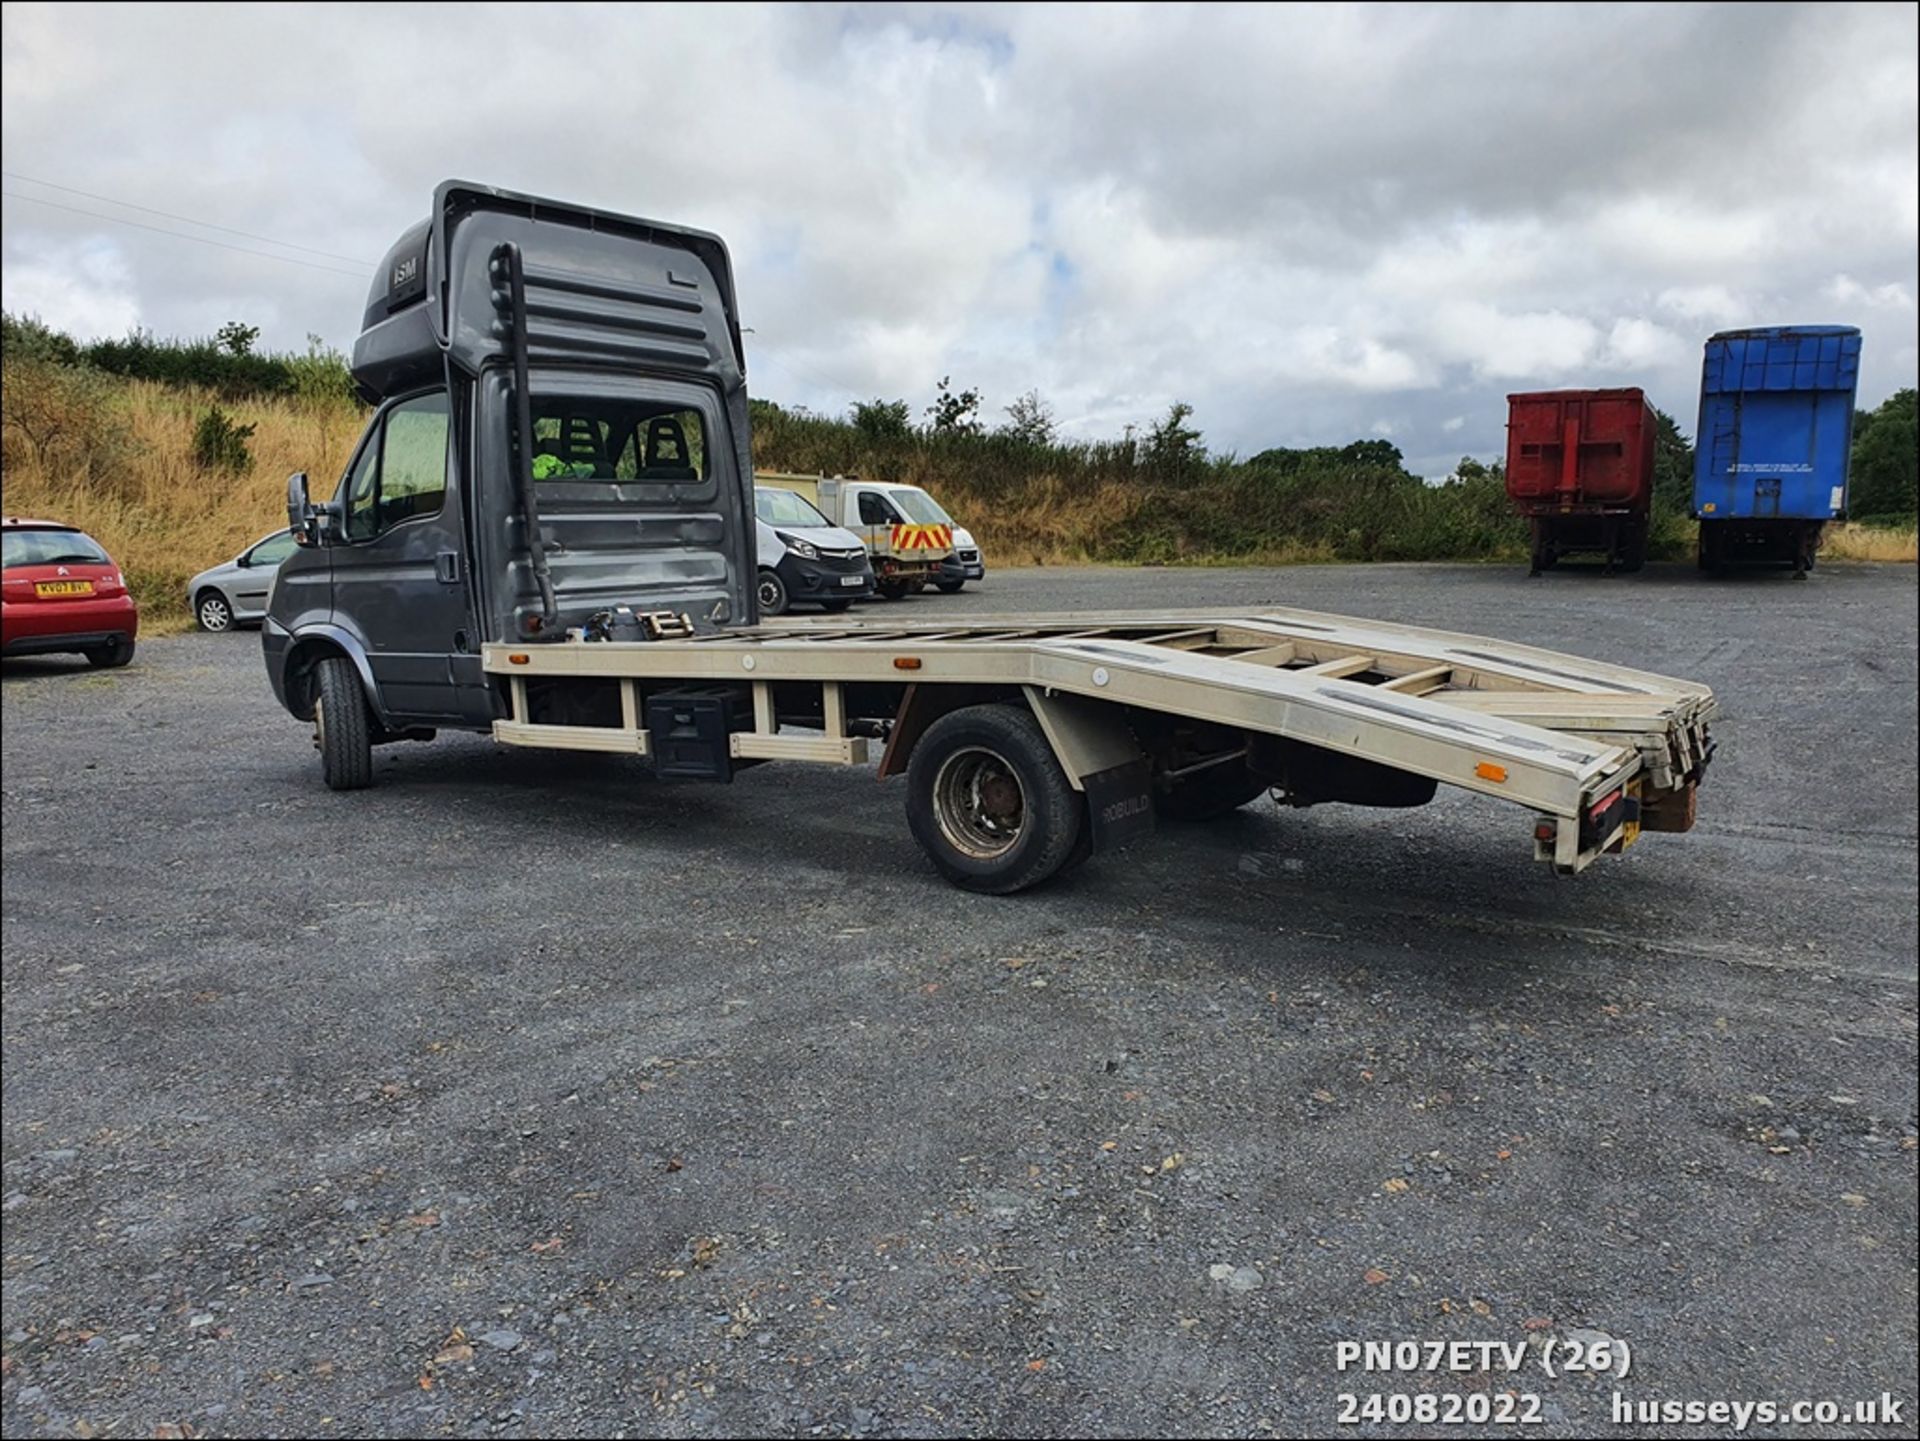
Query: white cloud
x=1298 y=219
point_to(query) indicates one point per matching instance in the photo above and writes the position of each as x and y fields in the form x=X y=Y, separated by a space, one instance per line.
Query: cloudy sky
x=1313 y=223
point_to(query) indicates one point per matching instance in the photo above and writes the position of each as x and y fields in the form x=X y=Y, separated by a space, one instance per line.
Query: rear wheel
x=898 y=589
x=342 y=732
x=1211 y=792
x=213 y=612
x=111 y=656
x=1633 y=552
x=773 y=594
x=950 y=587
x=989 y=803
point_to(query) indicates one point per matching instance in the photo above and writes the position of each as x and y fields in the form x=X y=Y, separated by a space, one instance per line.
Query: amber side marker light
x=906 y=662
x=1488 y=771
x=518 y=657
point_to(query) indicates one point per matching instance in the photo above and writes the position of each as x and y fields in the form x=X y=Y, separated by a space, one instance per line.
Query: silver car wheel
x=214 y=612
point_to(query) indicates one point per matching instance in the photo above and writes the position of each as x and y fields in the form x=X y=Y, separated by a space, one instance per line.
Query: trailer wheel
x=1212 y=792
x=989 y=803
x=340 y=726
x=1633 y=554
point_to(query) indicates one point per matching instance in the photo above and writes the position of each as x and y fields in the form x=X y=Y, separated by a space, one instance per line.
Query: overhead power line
x=197 y=239
x=183 y=219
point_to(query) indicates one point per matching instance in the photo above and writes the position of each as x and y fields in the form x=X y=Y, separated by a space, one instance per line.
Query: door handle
x=446 y=565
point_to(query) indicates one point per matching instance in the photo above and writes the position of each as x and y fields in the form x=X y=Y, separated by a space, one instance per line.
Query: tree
x=237 y=339
x=1672 y=466
x=1174 y=449
x=1885 y=476
x=955 y=412
x=1030 y=420
x=882 y=419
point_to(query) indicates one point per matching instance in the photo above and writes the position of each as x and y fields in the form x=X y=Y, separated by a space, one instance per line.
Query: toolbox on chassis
x=546 y=534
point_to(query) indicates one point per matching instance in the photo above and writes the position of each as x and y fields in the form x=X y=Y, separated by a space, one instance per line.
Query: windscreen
x=783 y=507
x=919 y=506
x=49 y=547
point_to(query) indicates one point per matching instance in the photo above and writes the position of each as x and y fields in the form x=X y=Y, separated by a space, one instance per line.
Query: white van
x=803 y=557
x=904 y=529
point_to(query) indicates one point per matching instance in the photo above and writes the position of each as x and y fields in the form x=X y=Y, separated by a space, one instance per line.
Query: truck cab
x=560 y=432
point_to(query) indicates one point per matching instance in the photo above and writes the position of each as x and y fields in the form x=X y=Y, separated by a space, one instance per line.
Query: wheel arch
x=307 y=651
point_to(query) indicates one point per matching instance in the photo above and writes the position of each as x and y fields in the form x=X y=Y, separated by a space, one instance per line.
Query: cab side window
x=402 y=472
x=874 y=509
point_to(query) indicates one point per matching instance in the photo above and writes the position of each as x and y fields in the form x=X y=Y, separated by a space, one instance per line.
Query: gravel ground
x=524 y=1094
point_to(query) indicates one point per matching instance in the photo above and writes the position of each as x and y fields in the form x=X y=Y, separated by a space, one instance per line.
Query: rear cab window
x=617 y=439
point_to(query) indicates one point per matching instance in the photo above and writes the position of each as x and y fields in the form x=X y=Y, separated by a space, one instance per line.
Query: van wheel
x=213 y=612
x=1209 y=793
x=834 y=607
x=988 y=802
x=895 y=589
x=341 y=732
x=111 y=656
x=773 y=594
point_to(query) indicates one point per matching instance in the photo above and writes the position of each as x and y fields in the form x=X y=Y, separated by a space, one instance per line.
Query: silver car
x=237 y=591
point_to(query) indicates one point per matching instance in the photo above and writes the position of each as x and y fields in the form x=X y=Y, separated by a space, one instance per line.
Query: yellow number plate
x=62 y=587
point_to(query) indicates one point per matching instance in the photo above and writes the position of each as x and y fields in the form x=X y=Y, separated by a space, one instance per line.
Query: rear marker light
x=518 y=657
x=1546 y=831
x=1488 y=771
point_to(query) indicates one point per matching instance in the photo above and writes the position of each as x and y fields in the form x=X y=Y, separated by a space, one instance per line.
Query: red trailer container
x=1580 y=468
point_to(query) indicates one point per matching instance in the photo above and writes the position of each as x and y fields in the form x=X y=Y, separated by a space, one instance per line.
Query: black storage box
x=689 y=732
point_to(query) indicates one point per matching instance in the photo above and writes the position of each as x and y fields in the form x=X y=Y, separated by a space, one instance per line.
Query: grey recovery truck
x=546 y=534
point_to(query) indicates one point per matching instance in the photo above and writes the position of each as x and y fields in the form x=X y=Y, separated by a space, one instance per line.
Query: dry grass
x=1871 y=542
x=115 y=459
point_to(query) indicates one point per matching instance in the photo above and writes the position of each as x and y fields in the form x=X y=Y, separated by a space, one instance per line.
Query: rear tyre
x=896 y=589
x=773 y=594
x=1633 y=555
x=213 y=612
x=342 y=730
x=949 y=587
x=1210 y=793
x=988 y=802
x=111 y=656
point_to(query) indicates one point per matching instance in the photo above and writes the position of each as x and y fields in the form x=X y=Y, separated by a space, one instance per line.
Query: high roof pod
x=601 y=288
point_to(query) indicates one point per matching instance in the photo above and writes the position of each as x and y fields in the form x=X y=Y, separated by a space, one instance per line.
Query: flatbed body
x=1550 y=732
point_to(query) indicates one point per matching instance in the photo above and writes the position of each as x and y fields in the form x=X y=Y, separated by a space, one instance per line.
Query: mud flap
x=1119 y=805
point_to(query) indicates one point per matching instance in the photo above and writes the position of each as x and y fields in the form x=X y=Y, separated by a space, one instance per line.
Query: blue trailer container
x=1776 y=432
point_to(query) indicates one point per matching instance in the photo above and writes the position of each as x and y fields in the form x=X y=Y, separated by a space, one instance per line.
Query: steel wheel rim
x=769 y=593
x=980 y=803
x=214 y=614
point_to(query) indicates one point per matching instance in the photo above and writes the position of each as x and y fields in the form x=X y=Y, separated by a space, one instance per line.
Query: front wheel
x=341 y=730
x=111 y=656
x=773 y=594
x=950 y=587
x=213 y=612
x=989 y=803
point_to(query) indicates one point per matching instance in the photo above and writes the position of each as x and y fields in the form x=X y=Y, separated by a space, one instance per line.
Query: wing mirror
x=303 y=521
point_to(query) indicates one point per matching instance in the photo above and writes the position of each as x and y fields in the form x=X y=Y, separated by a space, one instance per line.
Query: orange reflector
x=906 y=662
x=518 y=657
x=1488 y=771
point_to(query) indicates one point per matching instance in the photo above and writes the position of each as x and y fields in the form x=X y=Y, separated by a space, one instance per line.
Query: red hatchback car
x=59 y=591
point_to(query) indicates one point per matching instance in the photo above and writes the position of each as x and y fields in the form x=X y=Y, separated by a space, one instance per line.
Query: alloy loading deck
x=1544 y=730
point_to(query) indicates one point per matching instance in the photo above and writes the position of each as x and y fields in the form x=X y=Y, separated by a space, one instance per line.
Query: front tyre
x=989 y=803
x=773 y=593
x=213 y=612
x=341 y=726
